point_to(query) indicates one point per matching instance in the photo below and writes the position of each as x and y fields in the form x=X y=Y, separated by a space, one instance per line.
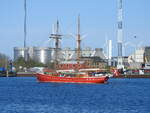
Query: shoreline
x=30 y=74
x=132 y=76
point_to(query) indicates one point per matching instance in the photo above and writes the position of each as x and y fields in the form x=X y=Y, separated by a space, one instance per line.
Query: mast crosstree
x=56 y=36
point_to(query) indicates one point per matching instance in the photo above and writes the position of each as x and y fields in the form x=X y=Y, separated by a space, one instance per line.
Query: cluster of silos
x=40 y=54
x=46 y=54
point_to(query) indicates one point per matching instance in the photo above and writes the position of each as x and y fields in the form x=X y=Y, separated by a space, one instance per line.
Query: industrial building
x=46 y=54
x=40 y=54
x=70 y=54
x=20 y=52
x=139 y=57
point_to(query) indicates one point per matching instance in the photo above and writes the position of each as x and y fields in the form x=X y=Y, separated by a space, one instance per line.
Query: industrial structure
x=120 y=35
x=20 y=52
x=109 y=53
x=69 y=54
x=46 y=54
x=40 y=54
x=140 y=57
x=23 y=51
x=25 y=23
x=58 y=54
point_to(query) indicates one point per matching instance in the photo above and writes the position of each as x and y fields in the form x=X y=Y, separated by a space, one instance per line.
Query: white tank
x=42 y=54
x=20 y=52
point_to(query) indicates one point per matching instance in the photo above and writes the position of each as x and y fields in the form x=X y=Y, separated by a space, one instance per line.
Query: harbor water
x=26 y=95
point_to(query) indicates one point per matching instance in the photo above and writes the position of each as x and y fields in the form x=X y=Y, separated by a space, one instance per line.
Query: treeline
x=3 y=60
x=22 y=63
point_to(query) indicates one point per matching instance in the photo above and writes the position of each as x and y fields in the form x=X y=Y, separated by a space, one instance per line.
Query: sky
x=98 y=21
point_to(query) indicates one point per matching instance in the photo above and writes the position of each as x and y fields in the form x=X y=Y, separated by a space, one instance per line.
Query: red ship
x=76 y=76
x=71 y=78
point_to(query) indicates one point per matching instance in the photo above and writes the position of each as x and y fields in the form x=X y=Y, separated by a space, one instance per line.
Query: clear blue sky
x=98 y=17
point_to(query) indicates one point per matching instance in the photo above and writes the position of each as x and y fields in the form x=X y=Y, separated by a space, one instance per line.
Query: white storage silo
x=42 y=54
x=20 y=52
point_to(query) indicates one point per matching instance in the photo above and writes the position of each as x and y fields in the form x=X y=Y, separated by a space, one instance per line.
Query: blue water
x=26 y=95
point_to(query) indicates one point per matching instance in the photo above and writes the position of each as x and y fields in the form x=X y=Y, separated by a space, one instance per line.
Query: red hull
x=48 y=78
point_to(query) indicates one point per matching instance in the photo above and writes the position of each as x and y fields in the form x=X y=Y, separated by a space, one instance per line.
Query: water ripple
x=26 y=95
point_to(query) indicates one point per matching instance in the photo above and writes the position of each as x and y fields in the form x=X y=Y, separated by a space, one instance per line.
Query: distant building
x=70 y=54
x=20 y=52
x=40 y=54
x=95 y=62
x=147 y=55
x=46 y=54
x=124 y=61
x=139 y=57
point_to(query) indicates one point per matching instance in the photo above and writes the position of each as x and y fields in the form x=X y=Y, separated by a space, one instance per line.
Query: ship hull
x=48 y=78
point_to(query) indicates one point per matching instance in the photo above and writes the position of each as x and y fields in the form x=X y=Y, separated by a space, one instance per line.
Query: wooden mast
x=57 y=41
x=57 y=37
x=78 y=41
